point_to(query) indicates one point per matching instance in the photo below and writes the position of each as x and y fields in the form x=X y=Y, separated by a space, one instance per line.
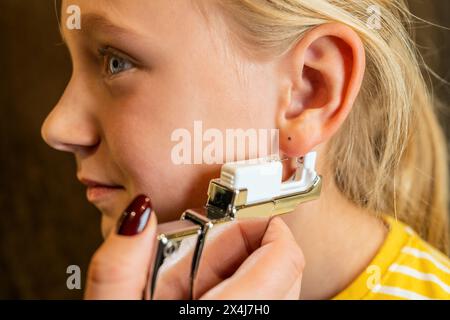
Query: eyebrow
x=94 y=21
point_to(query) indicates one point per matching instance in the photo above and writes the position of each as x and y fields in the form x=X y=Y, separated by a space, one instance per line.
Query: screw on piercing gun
x=245 y=189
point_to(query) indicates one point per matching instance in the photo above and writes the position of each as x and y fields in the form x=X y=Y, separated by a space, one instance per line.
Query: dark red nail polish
x=135 y=217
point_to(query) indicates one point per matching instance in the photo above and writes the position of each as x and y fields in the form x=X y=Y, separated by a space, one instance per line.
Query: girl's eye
x=114 y=62
x=117 y=64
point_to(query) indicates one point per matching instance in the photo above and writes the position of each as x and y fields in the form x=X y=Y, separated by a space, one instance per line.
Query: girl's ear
x=321 y=77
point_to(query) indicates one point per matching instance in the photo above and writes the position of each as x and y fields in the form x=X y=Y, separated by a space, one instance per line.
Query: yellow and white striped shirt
x=405 y=267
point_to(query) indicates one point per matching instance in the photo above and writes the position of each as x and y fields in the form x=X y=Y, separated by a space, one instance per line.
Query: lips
x=97 y=191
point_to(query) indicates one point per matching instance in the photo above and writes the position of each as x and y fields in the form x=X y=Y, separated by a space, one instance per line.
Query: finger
x=119 y=268
x=273 y=271
x=226 y=247
x=294 y=292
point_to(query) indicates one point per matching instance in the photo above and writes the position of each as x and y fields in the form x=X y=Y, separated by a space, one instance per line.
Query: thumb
x=119 y=268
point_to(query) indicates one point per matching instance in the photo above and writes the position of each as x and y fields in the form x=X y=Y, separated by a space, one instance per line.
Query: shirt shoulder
x=405 y=267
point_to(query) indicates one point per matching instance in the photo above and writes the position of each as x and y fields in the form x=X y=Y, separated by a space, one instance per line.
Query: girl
x=338 y=77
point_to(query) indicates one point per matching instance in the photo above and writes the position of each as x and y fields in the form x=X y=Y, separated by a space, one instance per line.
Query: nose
x=70 y=126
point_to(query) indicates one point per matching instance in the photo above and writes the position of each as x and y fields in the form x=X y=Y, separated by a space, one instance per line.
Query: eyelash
x=113 y=60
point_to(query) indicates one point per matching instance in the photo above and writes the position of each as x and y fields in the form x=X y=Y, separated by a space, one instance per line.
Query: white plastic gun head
x=262 y=178
x=309 y=161
x=308 y=171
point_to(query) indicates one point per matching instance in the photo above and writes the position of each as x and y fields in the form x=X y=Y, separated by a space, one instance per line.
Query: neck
x=338 y=240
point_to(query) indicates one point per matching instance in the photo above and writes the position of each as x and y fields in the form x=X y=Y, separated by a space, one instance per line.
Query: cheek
x=140 y=126
x=142 y=152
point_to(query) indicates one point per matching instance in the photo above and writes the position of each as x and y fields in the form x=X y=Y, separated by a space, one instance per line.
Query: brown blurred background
x=46 y=223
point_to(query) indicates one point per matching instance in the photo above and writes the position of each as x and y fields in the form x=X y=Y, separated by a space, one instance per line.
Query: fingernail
x=135 y=217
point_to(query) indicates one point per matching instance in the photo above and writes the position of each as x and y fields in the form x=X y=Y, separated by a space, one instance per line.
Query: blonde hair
x=391 y=138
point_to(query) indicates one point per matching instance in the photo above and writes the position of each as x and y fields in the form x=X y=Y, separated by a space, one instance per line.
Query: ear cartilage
x=245 y=189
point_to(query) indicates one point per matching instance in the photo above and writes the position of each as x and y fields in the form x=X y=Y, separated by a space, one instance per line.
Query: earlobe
x=299 y=135
x=323 y=74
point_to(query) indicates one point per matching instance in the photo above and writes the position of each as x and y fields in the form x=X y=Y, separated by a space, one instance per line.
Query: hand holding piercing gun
x=245 y=189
